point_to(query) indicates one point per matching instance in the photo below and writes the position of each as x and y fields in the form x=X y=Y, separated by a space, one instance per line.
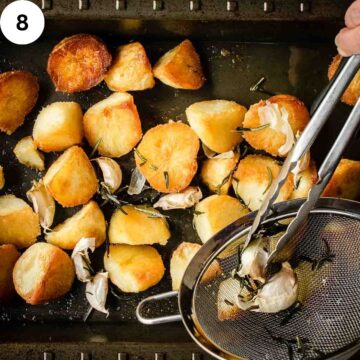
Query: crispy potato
x=166 y=156
x=78 y=63
x=215 y=122
x=180 y=67
x=134 y=268
x=134 y=225
x=304 y=182
x=268 y=139
x=19 y=92
x=89 y=222
x=114 y=122
x=229 y=289
x=345 y=181
x=253 y=177
x=216 y=212
x=71 y=179
x=352 y=92
x=2 y=178
x=58 y=126
x=19 y=224
x=8 y=256
x=43 y=272
x=27 y=154
x=130 y=70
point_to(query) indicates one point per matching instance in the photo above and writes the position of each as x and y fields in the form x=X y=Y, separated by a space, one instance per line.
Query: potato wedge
x=180 y=67
x=2 y=178
x=229 y=289
x=19 y=92
x=71 y=179
x=89 y=222
x=253 y=177
x=134 y=268
x=19 y=224
x=27 y=154
x=8 y=256
x=43 y=272
x=304 y=181
x=115 y=124
x=167 y=156
x=215 y=122
x=138 y=225
x=58 y=126
x=130 y=70
x=78 y=63
x=216 y=212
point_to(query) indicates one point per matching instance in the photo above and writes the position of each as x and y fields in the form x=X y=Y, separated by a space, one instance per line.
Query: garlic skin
x=137 y=182
x=226 y=155
x=182 y=200
x=80 y=257
x=97 y=290
x=111 y=172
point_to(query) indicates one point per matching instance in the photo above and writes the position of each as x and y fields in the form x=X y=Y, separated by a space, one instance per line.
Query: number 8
x=22 y=24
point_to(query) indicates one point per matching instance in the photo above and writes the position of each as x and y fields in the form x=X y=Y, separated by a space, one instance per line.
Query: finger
x=352 y=16
x=348 y=41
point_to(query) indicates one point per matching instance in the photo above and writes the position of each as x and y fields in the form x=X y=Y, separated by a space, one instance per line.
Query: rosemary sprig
x=166 y=177
x=294 y=309
x=151 y=213
x=93 y=151
x=270 y=181
x=243 y=129
x=318 y=262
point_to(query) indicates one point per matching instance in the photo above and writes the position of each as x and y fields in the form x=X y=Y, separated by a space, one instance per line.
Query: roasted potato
x=229 y=289
x=253 y=178
x=166 y=156
x=71 y=179
x=19 y=224
x=89 y=222
x=28 y=155
x=180 y=67
x=43 y=272
x=304 y=181
x=58 y=126
x=130 y=70
x=78 y=63
x=216 y=212
x=19 y=92
x=2 y=178
x=215 y=122
x=345 y=181
x=279 y=111
x=8 y=258
x=114 y=124
x=134 y=268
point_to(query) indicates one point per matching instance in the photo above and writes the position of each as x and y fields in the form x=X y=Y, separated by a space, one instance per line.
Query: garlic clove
x=111 y=172
x=208 y=152
x=137 y=182
x=226 y=155
x=97 y=290
x=81 y=258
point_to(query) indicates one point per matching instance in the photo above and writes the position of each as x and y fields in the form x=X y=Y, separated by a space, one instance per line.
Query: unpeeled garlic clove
x=81 y=258
x=111 y=172
x=97 y=290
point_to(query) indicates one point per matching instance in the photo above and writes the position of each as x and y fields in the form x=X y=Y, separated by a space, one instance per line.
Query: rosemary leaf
x=227 y=302
x=93 y=151
x=153 y=167
x=151 y=213
x=196 y=212
x=166 y=177
x=270 y=181
x=141 y=157
x=242 y=129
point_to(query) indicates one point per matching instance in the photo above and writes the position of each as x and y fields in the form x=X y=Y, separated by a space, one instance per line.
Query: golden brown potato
x=274 y=139
x=345 y=181
x=58 y=126
x=2 y=178
x=166 y=156
x=115 y=124
x=215 y=122
x=89 y=222
x=43 y=272
x=253 y=178
x=130 y=70
x=8 y=258
x=304 y=181
x=71 y=179
x=352 y=93
x=28 y=155
x=19 y=225
x=137 y=225
x=134 y=268
x=216 y=212
x=18 y=95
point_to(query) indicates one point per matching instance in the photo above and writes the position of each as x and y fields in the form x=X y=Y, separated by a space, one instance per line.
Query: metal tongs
x=320 y=112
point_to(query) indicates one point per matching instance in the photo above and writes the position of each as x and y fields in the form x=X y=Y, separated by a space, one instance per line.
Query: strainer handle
x=160 y=319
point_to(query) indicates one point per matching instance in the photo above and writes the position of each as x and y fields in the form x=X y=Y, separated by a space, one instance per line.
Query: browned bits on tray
x=8 y=256
x=78 y=63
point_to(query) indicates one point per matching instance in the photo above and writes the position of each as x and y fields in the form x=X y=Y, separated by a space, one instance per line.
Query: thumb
x=348 y=41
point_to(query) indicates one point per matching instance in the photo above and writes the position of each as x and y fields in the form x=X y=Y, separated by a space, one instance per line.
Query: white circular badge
x=22 y=22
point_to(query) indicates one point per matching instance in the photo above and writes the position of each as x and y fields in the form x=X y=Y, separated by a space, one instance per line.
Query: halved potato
x=215 y=122
x=71 y=179
x=43 y=272
x=216 y=212
x=304 y=181
x=180 y=67
x=27 y=154
x=253 y=178
x=89 y=222
x=19 y=224
x=78 y=63
x=138 y=225
x=229 y=290
x=58 y=126
x=19 y=92
x=130 y=70
x=8 y=256
x=114 y=124
x=166 y=156
x=2 y=177
x=134 y=268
